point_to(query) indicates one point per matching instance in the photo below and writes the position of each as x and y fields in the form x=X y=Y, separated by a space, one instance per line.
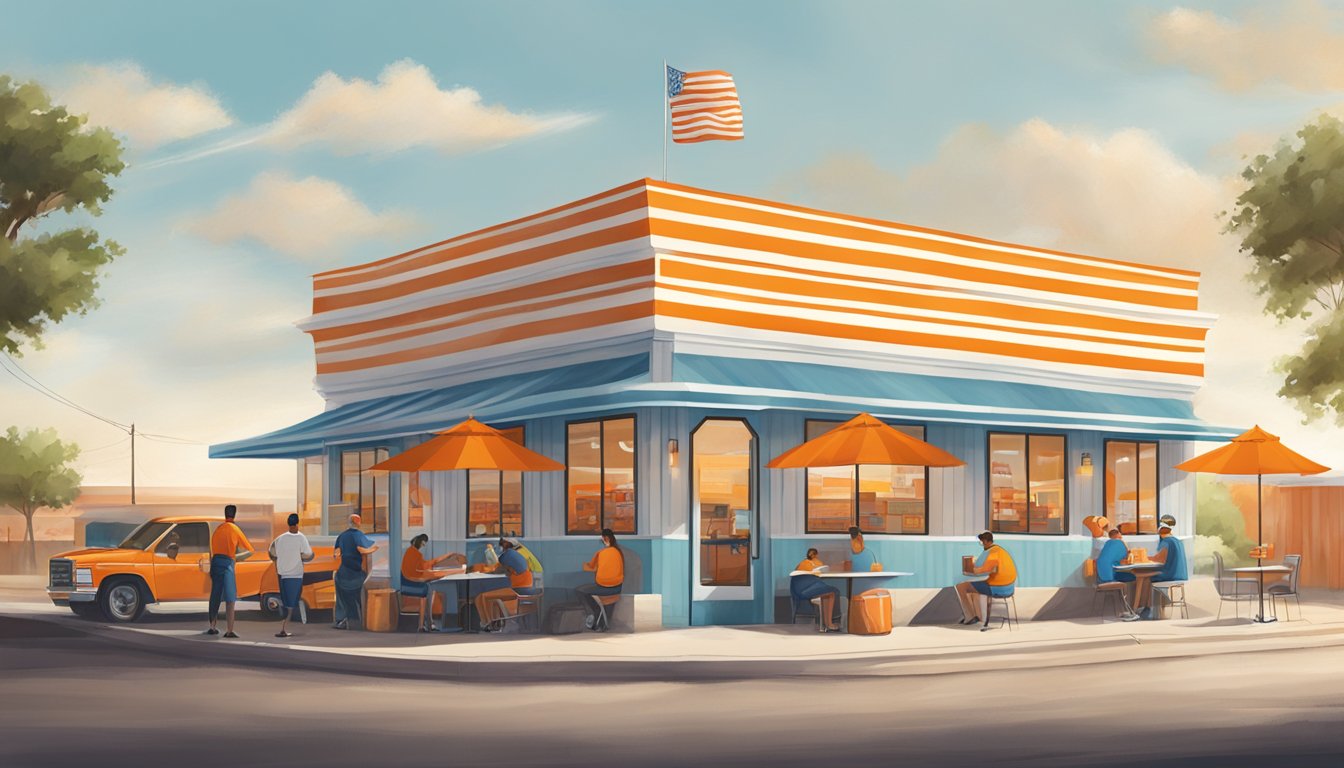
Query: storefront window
x=887 y=499
x=600 y=476
x=418 y=502
x=1026 y=483
x=362 y=491
x=724 y=492
x=495 y=499
x=1131 y=486
x=310 y=495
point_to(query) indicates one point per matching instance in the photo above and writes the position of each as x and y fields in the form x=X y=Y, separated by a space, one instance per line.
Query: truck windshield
x=145 y=535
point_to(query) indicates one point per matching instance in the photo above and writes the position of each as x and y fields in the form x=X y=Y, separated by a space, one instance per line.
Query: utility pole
x=132 y=462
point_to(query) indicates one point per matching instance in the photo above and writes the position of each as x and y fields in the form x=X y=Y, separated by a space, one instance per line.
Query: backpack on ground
x=565 y=619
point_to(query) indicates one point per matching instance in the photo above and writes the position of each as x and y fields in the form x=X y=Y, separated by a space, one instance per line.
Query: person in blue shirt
x=1112 y=552
x=353 y=544
x=860 y=559
x=1171 y=554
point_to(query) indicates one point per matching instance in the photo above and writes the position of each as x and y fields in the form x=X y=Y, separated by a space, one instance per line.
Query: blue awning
x=737 y=384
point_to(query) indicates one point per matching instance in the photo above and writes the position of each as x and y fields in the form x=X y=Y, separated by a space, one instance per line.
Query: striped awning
x=720 y=383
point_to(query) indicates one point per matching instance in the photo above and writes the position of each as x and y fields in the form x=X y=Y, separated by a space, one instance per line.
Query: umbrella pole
x=1259 y=543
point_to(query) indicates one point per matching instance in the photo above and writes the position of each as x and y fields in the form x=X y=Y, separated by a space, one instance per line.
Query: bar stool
x=1110 y=591
x=602 y=623
x=1174 y=593
x=1009 y=616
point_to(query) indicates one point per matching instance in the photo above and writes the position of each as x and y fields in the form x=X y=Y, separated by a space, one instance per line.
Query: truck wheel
x=122 y=601
x=85 y=610
x=272 y=607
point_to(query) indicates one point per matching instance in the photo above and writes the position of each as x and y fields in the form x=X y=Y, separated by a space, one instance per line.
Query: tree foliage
x=50 y=160
x=35 y=472
x=1291 y=222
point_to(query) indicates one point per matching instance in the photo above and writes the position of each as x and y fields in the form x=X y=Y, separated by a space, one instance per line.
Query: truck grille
x=62 y=573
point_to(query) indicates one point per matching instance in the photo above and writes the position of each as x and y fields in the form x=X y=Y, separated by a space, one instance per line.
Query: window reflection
x=888 y=499
x=601 y=476
x=723 y=491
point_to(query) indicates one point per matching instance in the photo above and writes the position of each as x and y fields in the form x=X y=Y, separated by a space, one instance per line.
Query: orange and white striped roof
x=721 y=274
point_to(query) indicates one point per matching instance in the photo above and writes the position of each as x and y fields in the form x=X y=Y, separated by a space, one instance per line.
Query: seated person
x=974 y=595
x=1100 y=528
x=608 y=569
x=513 y=564
x=860 y=558
x=1171 y=554
x=805 y=587
x=1110 y=556
x=416 y=570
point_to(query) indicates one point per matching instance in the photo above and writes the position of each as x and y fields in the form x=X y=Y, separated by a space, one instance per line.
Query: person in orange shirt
x=225 y=543
x=519 y=572
x=416 y=570
x=1001 y=582
x=806 y=587
x=608 y=569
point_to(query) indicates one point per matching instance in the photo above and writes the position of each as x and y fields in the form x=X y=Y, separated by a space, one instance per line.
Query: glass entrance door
x=725 y=519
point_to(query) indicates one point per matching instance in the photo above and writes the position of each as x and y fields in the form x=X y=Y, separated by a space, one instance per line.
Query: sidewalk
x=709 y=651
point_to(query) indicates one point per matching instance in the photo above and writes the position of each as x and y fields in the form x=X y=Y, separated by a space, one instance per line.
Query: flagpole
x=665 y=120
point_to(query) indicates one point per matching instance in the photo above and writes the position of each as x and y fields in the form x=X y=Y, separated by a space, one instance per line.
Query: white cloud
x=123 y=97
x=1122 y=196
x=405 y=108
x=1299 y=44
x=310 y=218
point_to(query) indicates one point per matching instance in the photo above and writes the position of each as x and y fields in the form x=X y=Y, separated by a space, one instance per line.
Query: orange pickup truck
x=167 y=560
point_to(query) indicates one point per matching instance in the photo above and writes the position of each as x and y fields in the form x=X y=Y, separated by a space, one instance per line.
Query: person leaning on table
x=1112 y=553
x=974 y=595
x=860 y=558
x=608 y=569
x=520 y=583
x=806 y=587
x=1171 y=554
x=416 y=571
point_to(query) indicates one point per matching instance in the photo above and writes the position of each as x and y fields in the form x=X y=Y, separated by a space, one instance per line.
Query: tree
x=35 y=473
x=1291 y=221
x=49 y=161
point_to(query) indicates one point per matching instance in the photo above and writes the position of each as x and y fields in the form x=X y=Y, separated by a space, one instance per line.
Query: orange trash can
x=870 y=613
x=380 y=610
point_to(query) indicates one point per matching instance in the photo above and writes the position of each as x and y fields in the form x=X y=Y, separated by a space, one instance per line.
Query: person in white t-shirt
x=290 y=551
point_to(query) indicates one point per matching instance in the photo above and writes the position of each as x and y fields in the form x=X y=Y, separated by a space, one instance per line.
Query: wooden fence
x=1306 y=520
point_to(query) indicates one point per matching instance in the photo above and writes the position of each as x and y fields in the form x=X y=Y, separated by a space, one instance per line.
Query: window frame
x=727 y=591
x=522 y=495
x=854 y=513
x=989 y=483
x=370 y=521
x=602 y=472
x=1157 y=482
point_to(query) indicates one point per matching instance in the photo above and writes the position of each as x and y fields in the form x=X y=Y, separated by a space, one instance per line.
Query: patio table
x=464 y=583
x=1261 y=570
x=849 y=578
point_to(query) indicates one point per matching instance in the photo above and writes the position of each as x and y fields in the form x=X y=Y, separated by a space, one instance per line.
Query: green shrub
x=1218 y=517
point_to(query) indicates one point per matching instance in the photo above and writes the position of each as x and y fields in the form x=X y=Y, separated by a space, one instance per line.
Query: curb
x=1025 y=656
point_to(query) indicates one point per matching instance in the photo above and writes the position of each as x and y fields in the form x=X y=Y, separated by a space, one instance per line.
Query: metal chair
x=1174 y=593
x=603 y=621
x=1286 y=590
x=1009 y=616
x=1230 y=587
x=1111 y=590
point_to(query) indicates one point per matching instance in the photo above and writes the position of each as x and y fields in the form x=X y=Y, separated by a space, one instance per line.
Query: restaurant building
x=665 y=342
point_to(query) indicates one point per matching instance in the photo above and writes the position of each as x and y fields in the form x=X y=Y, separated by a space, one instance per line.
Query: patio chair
x=1173 y=592
x=1284 y=590
x=603 y=621
x=1113 y=591
x=527 y=605
x=1231 y=587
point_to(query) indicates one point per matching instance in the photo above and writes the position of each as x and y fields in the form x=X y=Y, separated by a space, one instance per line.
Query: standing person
x=519 y=572
x=290 y=550
x=860 y=558
x=353 y=544
x=608 y=569
x=1002 y=582
x=416 y=570
x=225 y=542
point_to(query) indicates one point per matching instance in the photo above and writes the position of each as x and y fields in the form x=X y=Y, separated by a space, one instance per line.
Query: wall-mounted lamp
x=1085 y=467
x=672 y=451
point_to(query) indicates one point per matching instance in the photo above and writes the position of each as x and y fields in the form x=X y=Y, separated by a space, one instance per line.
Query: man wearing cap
x=1171 y=554
x=225 y=543
x=289 y=551
x=353 y=544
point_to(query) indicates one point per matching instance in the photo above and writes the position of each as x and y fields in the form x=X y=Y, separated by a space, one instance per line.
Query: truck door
x=177 y=572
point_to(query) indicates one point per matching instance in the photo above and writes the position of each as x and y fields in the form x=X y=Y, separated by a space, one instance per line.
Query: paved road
x=69 y=698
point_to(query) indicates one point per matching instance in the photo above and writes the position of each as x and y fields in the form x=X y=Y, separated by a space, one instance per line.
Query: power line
x=122 y=441
x=42 y=389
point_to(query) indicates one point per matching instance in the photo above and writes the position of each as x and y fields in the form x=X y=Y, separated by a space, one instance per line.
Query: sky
x=270 y=141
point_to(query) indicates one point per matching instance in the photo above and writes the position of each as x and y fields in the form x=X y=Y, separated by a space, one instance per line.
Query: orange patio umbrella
x=864 y=440
x=1254 y=452
x=469 y=445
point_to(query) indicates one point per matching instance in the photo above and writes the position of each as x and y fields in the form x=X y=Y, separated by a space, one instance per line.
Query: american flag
x=704 y=106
